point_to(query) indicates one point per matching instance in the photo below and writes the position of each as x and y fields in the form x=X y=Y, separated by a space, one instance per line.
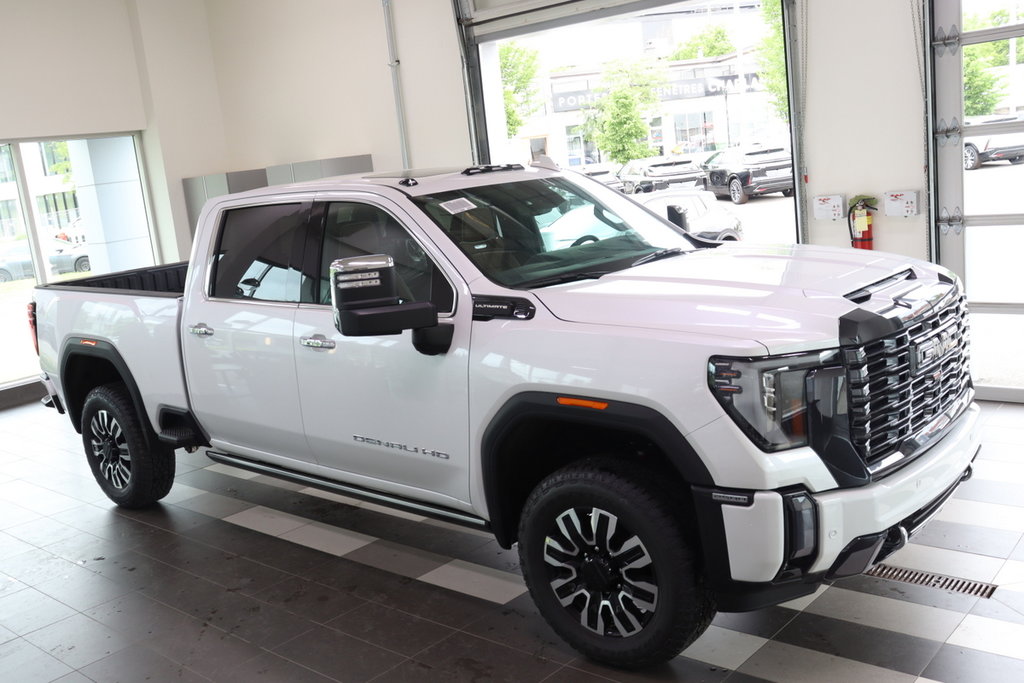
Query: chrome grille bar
x=902 y=385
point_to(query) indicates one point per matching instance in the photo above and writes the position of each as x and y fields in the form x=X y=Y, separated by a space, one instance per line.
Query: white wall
x=229 y=85
x=865 y=117
x=69 y=69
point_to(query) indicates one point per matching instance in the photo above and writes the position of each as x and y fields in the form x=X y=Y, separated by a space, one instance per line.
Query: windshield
x=545 y=230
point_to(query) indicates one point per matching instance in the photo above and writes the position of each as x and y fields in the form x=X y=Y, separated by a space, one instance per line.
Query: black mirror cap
x=383 y=320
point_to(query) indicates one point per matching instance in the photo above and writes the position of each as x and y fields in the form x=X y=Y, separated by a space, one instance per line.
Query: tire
x=1017 y=160
x=82 y=264
x=654 y=608
x=787 y=193
x=736 y=193
x=130 y=473
x=5 y=276
x=971 y=158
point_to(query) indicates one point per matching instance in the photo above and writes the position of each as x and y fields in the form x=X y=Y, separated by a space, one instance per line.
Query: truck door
x=377 y=412
x=238 y=330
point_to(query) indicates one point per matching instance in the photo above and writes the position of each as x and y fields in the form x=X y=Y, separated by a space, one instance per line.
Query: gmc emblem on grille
x=925 y=353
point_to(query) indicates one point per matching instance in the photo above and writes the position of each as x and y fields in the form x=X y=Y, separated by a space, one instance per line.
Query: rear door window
x=260 y=252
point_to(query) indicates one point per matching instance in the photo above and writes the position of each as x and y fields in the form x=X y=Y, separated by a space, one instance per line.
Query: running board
x=397 y=502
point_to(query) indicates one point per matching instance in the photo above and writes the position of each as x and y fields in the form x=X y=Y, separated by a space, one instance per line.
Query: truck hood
x=787 y=298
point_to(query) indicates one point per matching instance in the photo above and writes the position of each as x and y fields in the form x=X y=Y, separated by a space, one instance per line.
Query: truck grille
x=900 y=383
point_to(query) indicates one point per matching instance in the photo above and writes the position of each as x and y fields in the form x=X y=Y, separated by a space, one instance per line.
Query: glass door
x=979 y=133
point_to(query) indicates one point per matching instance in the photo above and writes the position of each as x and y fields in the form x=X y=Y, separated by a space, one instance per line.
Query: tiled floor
x=237 y=577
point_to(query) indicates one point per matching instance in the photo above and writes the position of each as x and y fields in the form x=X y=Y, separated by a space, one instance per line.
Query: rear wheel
x=971 y=158
x=604 y=554
x=1017 y=160
x=130 y=473
x=736 y=192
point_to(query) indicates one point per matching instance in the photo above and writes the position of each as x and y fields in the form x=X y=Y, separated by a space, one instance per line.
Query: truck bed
x=134 y=313
x=167 y=279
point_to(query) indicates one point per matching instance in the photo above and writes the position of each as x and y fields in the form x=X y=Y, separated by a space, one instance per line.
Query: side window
x=259 y=253
x=354 y=229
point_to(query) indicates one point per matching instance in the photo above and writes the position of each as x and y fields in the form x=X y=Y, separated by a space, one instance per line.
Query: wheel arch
x=88 y=363
x=530 y=435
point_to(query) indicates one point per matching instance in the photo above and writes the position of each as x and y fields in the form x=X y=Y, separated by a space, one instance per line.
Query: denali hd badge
x=441 y=455
x=924 y=354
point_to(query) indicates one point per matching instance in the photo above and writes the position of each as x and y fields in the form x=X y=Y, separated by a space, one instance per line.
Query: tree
x=982 y=88
x=621 y=129
x=518 y=69
x=713 y=41
x=617 y=121
x=771 y=57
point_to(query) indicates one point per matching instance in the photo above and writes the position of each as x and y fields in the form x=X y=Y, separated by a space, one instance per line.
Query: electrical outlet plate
x=830 y=207
x=901 y=203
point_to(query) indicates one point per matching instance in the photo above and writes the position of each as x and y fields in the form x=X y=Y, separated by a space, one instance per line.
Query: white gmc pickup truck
x=665 y=426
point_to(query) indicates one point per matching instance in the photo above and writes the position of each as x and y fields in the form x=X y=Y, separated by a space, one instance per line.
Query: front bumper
x=748 y=537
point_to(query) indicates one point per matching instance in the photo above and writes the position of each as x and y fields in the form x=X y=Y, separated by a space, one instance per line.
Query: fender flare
x=624 y=416
x=76 y=347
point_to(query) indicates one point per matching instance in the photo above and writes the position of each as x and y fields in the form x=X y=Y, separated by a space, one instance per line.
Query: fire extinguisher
x=858 y=221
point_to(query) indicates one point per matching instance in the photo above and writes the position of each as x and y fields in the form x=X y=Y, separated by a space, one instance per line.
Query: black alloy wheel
x=601 y=572
x=134 y=471
x=611 y=565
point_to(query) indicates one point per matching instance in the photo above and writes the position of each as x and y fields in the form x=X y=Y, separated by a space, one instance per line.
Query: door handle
x=317 y=341
x=201 y=330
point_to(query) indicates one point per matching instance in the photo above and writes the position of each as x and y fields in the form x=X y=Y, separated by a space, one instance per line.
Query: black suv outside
x=742 y=173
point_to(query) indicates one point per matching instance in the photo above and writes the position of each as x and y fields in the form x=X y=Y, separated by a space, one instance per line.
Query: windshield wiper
x=657 y=255
x=565 y=277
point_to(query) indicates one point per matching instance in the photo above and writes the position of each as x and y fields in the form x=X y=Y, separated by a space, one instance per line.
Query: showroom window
x=672 y=78
x=68 y=208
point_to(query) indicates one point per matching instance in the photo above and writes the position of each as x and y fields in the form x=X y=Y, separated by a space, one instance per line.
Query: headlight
x=767 y=397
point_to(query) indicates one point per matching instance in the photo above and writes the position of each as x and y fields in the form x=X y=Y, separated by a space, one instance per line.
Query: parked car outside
x=740 y=174
x=696 y=211
x=15 y=261
x=660 y=173
x=980 y=149
x=606 y=173
x=69 y=258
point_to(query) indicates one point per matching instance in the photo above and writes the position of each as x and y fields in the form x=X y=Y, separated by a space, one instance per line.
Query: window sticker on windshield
x=458 y=205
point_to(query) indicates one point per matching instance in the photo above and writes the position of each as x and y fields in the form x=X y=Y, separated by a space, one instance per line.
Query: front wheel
x=131 y=474
x=82 y=264
x=1017 y=160
x=736 y=192
x=604 y=554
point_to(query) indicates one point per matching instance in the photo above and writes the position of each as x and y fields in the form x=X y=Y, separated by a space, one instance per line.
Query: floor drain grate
x=919 y=578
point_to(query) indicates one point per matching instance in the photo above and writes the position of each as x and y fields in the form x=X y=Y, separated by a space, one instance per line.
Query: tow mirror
x=365 y=300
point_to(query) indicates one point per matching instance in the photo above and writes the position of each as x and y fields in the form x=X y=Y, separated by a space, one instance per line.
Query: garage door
x=978 y=121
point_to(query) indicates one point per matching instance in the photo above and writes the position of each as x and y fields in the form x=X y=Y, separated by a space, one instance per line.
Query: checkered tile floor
x=240 y=577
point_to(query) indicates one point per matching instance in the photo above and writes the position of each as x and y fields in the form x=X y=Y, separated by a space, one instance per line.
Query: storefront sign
x=680 y=89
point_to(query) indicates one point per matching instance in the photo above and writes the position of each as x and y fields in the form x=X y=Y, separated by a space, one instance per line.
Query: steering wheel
x=584 y=240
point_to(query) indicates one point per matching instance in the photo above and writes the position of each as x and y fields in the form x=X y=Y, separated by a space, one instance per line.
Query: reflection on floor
x=240 y=578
